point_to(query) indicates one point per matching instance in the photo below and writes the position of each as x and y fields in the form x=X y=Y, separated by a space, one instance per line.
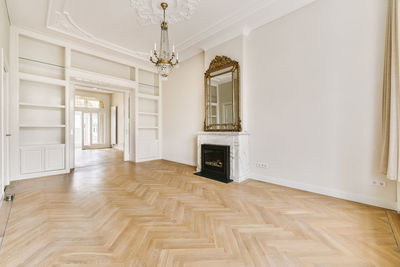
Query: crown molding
x=237 y=25
x=60 y=20
x=223 y=23
x=243 y=22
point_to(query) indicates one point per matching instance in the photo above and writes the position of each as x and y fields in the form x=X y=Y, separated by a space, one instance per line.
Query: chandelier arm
x=156 y=55
x=152 y=61
x=176 y=62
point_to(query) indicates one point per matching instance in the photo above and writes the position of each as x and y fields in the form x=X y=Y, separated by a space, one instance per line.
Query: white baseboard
x=146 y=159
x=328 y=192
x=119 y=147
x=179 y=160
x=39 y=175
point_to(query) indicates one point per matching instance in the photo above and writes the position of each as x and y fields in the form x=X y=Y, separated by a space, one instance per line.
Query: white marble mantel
x=239 y=150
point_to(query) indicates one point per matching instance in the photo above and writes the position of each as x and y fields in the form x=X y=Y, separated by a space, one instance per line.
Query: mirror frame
x=219 y=63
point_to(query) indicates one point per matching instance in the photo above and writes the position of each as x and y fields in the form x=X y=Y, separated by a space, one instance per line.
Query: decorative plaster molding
x=150 y=12
x=97 y=79
x=242 y=22
x=59 y=19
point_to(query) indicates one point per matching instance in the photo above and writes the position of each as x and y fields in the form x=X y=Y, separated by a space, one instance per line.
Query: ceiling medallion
x=164 y=59
x=149 y=11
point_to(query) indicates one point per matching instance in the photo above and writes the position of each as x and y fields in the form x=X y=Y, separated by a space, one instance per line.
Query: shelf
x=148 y=128
x=40 y=62
x=149 y=96
x=41 y=126
x=41 y=105
x=41 y=79
x=148 y=113
x=42 y=145
x=145 y=84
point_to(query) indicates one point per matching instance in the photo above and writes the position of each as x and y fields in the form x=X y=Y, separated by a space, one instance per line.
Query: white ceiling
x=114 y=24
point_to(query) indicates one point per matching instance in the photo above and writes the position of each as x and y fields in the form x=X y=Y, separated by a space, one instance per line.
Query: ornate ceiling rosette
x=150 y=12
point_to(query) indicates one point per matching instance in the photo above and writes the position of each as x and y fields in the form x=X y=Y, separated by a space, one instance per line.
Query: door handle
x=8 y=134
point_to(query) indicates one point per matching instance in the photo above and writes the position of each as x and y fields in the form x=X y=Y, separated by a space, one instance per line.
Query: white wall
x=313 y=93
x=314 y=90
x=182 y=106
x=4 y=29
x=117 y=99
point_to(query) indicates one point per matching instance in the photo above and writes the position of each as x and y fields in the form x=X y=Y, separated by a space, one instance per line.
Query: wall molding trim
x=59 y=19
x=359 y=198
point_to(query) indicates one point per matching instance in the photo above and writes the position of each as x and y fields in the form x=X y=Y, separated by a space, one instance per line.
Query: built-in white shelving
x=41 y=79
x=43 y=69
x=24 y=104
x=148 y=119
x=147 y=127
x=41 y=126
x=148 y=96
x=149 y=114
x=42 y=107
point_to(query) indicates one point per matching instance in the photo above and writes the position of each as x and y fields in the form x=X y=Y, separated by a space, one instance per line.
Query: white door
x=93 y=129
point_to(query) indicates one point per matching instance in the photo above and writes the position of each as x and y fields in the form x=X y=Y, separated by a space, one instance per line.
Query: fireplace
x=215 y=162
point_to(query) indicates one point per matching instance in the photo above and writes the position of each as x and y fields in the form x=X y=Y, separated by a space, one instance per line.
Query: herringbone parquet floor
x=159 y=214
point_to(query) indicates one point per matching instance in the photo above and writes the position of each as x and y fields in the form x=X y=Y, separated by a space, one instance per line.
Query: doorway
x=90 y=128
x=93 y=126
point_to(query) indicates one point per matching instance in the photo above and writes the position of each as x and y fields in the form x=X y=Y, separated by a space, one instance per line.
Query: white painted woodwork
x=148 y=117
x=208 y=25
x=54 y=157
x=36 y=159
x=96 y=64
x=32 y=160
x=42 y=109
x=113 y=125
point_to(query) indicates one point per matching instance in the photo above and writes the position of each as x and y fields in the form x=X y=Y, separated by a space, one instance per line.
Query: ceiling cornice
x=60 y=20
x=241 y=23
x=223 y=24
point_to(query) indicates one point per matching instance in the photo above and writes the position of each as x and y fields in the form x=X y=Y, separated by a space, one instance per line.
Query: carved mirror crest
x=222 y=95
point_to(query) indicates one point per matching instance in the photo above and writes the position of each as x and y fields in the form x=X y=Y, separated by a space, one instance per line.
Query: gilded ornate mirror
x=222 y=96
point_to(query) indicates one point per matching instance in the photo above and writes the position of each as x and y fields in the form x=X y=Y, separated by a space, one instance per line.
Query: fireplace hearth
x=215 y=162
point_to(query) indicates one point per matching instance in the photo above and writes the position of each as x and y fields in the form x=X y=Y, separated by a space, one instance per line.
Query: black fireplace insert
x=215 y=162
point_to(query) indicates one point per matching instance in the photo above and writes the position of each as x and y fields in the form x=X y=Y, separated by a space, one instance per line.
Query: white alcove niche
x=44 y=72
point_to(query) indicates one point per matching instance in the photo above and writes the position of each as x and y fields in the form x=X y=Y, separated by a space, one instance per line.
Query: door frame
x=95 y=87
x=4 y=124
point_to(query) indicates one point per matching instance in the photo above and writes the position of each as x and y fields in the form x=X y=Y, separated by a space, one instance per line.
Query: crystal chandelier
x=164 y=59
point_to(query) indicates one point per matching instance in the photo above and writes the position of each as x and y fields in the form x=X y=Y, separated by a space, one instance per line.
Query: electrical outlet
x=262 y=165
x=378 y=183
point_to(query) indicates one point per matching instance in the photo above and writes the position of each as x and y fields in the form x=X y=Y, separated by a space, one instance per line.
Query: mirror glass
x=222 y=99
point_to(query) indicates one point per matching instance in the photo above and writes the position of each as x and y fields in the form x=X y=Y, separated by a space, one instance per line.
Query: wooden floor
x=160 y=214
x=90 y=157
